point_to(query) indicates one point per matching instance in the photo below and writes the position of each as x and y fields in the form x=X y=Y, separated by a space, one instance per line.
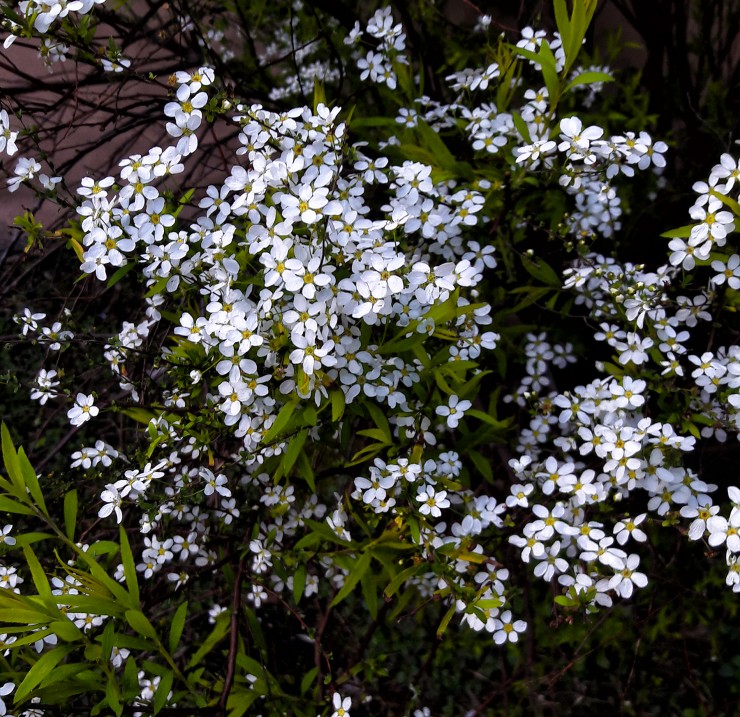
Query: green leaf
x=220 y=629
x=120 y=273
x=113 y=694
x=8 y=505
x=482 y=464
x=370 y=593
x=101 y=579
x=70 y=513
x=355 y=574
x=294 y=449
x=12 y=465
x=66 y=630
x=281 y=420
x=338 y=402
x=41 y=669
x=308 y=679
x=23 y=616
x=319 y=93
x=380 y=420
x=679 y=233
x=299 y=583
x=521 y=127
x=490 y=420
x=550 y=73
x=541 y=271
x=140 y=623
x=445 y=621
x=562 y=21
x=106 y=639
x=140 y=415
x=319 y=531
x=176 y=628
x=40 y=580
x=565 y=601
x=589 y=78
x=129 y=565
x=130 y=681
x=163 y=691
x=31 y=480
x=401 y=578
x=442 y=155
x=727 y=201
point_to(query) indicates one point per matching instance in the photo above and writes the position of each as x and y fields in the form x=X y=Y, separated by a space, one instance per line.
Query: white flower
x=5 y=690
x=83 y=410
x=5 y=537
x=341 y=705
x=506 y=630
x=112 y=503
x=431 y=501
x=454 y=410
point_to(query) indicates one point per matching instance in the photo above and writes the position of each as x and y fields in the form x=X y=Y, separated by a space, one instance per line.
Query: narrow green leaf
x=299 y=583
x=41 y=668
x=294 y=449
x=358 y=570
x=176 y=628
x=140 y=415
x=490 y=420
x=23 y=616
x=10 y=458
x=399 y=579
x=103 y=580
x=550 y=73
x=163 y=691
x=562 y=21
x=319 y=531
x=482 y=464
x=528 y=54
x=444 y=158
x=281 y=420
x=66 y=630
x=337 y=404
x=220 y=629
x=521 y=127
x=445 y=621
x=727 y=201
x=140 y=623
x=120 y=273
x=130 y=681
x=679 y=233
x=106 y=639
x=564 y=601
x=113 y=694
x=129 y=565
x=31 y=480
x=319 y=93
x=308 y=679
x=380 y=420
x=306 y=470
x=370 y=593
x=40 y=580
x=541 y=271
x=70 y=513
x=8 y=505
x=589 y=78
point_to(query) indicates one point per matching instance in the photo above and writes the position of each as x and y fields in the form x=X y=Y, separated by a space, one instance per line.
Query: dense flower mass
x=307 y=360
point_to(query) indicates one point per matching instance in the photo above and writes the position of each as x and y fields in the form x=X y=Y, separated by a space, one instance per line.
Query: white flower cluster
x=610 y=447
x=390 y=41
x=714 y=223
x=312 y=278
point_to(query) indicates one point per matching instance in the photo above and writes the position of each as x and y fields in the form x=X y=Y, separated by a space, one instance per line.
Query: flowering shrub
x=330 y=396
